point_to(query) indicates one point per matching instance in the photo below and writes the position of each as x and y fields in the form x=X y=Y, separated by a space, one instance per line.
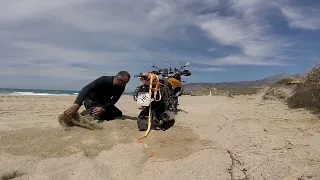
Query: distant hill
x=241 y=84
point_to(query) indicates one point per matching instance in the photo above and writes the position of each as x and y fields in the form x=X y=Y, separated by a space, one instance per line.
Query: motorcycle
x=157 y=98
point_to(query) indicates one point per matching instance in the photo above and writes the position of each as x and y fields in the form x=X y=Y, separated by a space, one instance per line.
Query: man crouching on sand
x=101 y=95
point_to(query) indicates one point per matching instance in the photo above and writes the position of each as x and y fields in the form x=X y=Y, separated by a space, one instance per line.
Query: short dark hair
x=124 y=74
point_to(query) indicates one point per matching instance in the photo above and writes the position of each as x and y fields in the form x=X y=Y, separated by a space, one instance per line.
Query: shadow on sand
x=124 y=117
x=168 y=125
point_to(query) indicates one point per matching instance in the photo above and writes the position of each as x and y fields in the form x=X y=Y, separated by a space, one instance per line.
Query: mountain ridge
x=268 y=81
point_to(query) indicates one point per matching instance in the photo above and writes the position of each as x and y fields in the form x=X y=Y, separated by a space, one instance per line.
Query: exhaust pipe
x=168 y=116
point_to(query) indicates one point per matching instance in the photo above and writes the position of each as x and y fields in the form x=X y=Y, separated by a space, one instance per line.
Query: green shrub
x=224 y=91
x=285 y=81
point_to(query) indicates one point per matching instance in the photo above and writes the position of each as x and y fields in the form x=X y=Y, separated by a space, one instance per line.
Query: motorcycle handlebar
x=169 y=71
x=166 y=72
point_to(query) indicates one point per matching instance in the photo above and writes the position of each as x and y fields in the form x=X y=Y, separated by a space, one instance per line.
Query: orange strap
x=153 y=80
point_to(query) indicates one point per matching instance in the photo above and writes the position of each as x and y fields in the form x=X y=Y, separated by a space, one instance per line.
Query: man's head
x=122 y=78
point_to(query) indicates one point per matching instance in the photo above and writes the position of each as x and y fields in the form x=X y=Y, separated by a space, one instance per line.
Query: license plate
x=143 y=99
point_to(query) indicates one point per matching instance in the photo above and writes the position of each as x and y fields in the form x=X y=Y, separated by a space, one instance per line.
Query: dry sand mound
x=53 y=146
x=278 y=92
x=82 y=119
x=307 y=93
x=55 y=142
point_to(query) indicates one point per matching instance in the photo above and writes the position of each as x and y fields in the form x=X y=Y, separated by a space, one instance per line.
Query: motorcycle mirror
x=187 y=64
x=150 y=64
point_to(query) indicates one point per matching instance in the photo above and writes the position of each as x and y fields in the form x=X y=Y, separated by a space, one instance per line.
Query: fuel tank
x=174 y=83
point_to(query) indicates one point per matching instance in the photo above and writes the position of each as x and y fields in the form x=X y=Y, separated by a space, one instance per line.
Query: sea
x=40 y=92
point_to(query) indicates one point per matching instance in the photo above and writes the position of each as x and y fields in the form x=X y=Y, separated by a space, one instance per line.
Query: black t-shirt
x=102 y=91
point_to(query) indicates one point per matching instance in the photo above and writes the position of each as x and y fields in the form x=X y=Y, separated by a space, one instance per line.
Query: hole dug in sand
x=175 y=143
x=11 y=175
x=56 y=142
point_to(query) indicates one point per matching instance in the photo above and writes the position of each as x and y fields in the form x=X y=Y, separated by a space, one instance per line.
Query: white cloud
x=302 y=18
x=247 y=31
x=213 y=49
x=211 y=69
x=232 y=32
x=82 y=39
x=244 y=60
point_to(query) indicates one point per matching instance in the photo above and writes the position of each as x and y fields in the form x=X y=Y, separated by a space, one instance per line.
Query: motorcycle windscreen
x=143 y=99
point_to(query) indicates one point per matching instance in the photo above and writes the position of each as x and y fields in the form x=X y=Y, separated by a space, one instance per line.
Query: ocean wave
x=36 y=94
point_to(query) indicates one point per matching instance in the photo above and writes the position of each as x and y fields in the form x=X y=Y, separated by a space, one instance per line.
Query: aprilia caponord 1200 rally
x=157 y=98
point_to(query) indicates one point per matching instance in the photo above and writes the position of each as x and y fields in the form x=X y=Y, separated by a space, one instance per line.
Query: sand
x=213 y=138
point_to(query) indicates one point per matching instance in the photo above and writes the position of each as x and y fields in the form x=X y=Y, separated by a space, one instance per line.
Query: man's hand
x=97 y=111
x=72 y=109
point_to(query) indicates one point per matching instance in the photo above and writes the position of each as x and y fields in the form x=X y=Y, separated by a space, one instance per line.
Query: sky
x=65 y=44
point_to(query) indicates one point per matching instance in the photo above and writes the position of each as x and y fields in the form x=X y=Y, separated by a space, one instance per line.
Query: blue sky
x=66 y=44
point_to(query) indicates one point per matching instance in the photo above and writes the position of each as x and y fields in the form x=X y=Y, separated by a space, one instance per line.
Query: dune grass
x=224 y=91
x=307 y=93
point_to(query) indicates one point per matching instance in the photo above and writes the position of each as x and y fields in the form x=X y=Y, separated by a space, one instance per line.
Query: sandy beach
x=213 y=138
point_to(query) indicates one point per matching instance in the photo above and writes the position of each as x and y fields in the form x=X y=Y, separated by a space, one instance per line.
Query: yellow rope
x=153 y=78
